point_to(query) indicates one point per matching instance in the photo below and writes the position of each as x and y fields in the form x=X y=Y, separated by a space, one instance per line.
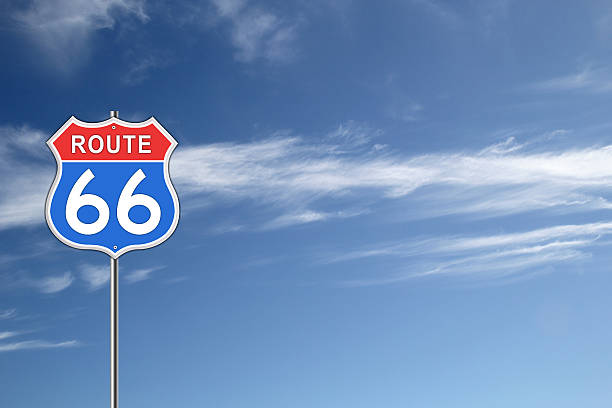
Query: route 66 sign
x=112 y=191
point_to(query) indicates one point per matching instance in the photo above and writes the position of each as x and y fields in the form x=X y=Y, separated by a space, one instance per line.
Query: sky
x=390 y=204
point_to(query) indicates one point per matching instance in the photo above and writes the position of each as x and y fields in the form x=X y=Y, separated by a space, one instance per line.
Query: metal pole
x=114 y=332
x=114 y=323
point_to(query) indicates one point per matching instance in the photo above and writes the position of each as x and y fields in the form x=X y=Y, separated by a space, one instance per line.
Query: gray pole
x=114 y=332
x=114 y=323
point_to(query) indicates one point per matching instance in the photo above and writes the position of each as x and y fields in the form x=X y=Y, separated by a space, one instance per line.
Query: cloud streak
x=36 y=345
x=30 y=344
x=440 y=10
x=95 y=276
x=594 y=80
x=288 y=172
x=52 y=284
x=21 y=279
x=295 y=177
x=257 y=33
x=8 y=314
x=139 y=275
x=488 y=257
x=140 y=70
x=306 y=217
x=27 y=165
x=63 y=28
x=7 y=335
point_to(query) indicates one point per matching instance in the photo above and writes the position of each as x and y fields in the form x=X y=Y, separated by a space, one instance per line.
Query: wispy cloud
x=27 y=166
x=486 y=17
x=35 y=249
x=306 y=217
x=576 y=234
x=52 y=284
x=491 y=12
x=589 y=80
x=504 y=147
x=139 y=275
x=293 y=175
x=440 y=10
x=141 y=68
x=352 y=134
x=175 y=280
x=22 y=279
x=8 y=334
x=407 y=111
x=36 y=345
x=489 y=257
x=63 y=28
x=257 y=33
x=8 y=314
x=96 y=276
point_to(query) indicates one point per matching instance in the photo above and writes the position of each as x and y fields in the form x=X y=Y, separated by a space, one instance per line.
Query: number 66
x=127 y=200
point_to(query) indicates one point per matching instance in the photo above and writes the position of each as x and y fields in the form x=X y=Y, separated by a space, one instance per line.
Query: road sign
x=112 y=191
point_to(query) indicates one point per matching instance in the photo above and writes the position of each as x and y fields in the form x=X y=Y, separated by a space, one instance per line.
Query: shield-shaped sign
x=112 y=191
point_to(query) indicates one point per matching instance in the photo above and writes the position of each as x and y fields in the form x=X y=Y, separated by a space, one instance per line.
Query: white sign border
x=58 y=176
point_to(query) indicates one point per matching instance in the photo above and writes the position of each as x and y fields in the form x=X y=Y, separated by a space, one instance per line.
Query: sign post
x=112 y=193
x=114 y=321
x=114 y=332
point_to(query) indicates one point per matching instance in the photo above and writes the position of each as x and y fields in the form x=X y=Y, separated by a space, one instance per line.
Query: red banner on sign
x=112 y=142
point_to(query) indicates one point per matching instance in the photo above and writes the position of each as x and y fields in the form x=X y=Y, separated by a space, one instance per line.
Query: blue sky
x=400 y=204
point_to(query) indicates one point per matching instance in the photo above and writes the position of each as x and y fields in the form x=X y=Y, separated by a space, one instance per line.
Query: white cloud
x=440 y=10
x=47 y=284
x=36 y=345
x=96 y=276
x=589 y=80
x=8 y=314
x=140 y=69
x=52 y=284
x=577 y=235
x=492 y=13
x=26 y=163
x=507 y=146
x=500 y=256
x=593 y=230
x=257 y=33
x=299 y=218
x=407 y=111
x=229 y=8
x=30 y=344
x=175 y=280
x=352 y=134
x=63 y=28
x=34 y=249
x=8 y=334
x=305 y=217
x=139 y=275
x=504 y=178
